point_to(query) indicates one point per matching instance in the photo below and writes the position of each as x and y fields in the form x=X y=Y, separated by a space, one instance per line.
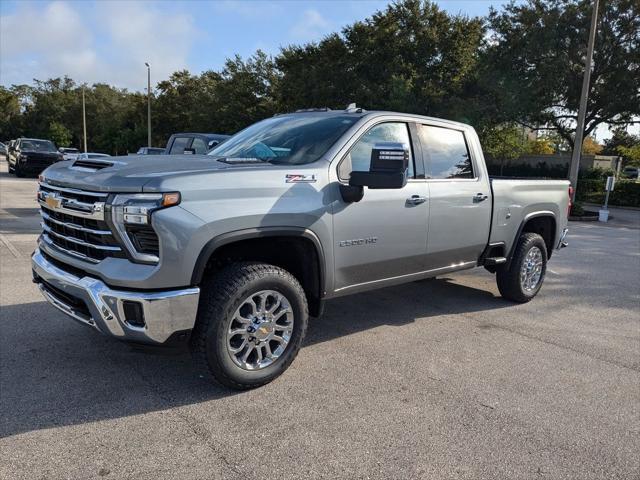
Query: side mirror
x=213 y=143
x=189 y=151
x=388 y=169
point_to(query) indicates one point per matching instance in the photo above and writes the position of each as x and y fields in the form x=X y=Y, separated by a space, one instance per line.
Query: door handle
x=479 y=197
x=416 y=200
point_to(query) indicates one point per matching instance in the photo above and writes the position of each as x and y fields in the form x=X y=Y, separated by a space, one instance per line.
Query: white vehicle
x=91 y=156
x=69 y=153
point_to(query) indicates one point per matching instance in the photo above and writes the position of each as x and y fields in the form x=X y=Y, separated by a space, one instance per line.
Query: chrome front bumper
x=91 y=302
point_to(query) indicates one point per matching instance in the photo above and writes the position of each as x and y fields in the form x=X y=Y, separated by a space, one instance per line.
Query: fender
x=260 y=232
x=541 y=213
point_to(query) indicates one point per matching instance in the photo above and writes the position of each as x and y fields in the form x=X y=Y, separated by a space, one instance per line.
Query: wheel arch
x=304 y=257
x=542 y=222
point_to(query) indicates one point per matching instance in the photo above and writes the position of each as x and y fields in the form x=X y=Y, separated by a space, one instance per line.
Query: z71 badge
x=358 y=241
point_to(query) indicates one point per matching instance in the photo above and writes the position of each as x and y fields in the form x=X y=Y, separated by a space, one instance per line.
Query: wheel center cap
x=263 y=331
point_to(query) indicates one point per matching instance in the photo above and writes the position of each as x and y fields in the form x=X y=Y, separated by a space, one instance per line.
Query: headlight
x=131 y=217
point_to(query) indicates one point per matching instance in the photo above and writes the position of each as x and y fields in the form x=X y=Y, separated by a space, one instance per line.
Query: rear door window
x=446 y=152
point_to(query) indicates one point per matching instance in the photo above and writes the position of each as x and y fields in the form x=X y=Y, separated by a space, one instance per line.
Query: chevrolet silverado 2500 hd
x=234 y=250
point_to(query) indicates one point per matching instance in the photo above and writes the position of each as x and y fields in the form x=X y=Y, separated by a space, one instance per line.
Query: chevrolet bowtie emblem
x=53 y=201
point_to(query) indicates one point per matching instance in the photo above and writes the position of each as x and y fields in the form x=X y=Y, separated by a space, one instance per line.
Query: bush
x=542 y=170
x=625 y=194
x=577 y=210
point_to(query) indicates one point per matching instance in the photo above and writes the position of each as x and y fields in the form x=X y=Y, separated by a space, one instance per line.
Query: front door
x=384 y=235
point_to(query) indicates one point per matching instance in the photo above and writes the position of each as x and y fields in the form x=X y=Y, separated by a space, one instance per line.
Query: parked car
x=69 y=153
x=195 y=143
x=91 y=155
x=150 y=151
x=632 y=173
x=3 y=149
x=32 y=155
x=234 y=250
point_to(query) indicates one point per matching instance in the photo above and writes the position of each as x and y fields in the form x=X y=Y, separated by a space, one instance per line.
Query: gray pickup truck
x=231 y=252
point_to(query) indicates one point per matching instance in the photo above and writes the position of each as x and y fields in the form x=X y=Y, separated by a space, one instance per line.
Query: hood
x=131 y=173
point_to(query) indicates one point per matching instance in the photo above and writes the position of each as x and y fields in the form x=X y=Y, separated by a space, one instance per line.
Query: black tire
x=508 y=279
x=221 y=295
x=19 y=171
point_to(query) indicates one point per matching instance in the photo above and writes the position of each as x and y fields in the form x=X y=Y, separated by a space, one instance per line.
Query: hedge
x=625 y=194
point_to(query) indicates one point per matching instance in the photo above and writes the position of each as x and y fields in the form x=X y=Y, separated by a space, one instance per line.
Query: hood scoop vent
x=92 y=165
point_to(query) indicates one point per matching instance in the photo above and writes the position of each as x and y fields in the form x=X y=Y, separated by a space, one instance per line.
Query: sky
x=109 y=41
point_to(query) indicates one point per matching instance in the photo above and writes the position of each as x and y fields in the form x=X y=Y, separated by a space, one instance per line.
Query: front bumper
x=159 y=316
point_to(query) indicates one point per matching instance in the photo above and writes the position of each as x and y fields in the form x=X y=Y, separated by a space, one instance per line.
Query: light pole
x=582 y=111
x=84 y=122
x=148 y=104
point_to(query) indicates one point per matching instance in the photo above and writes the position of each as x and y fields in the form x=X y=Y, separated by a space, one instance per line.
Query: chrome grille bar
x=47 y=239
x=108 y=248
x=73 y=225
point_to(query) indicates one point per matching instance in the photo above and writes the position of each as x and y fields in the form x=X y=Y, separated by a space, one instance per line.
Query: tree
x=591 y=147
x=59 y=134
x=411 y=57
x=504 y=143
x=631 y=155
x=539 y=146
x=534 y=63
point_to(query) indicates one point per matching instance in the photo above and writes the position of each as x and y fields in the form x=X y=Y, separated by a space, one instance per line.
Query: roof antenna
x=351 y=108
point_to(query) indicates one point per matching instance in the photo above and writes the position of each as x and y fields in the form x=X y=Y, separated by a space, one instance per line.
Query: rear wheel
x=523 y=279
x=251 y=322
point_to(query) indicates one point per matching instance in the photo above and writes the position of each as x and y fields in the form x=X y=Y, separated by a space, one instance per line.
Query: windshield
x=290 y=140
x=38 y=145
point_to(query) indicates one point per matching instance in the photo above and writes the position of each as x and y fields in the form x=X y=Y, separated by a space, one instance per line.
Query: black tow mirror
x=388 y=169
x=189 y=151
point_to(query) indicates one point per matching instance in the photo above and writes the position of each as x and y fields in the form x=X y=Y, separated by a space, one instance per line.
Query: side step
x=495 y=260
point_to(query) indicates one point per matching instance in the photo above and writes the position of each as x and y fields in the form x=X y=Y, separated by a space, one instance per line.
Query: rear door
x=459 y=197
x=384 y=235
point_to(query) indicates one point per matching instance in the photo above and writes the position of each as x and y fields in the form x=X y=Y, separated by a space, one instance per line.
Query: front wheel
x=252 y=319
x=523 y=279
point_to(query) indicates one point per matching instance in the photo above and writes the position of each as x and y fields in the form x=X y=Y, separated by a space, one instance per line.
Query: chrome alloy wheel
x=260 y=330
x=531 y=271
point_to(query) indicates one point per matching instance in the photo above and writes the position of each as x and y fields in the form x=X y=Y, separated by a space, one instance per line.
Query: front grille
x=73 y=221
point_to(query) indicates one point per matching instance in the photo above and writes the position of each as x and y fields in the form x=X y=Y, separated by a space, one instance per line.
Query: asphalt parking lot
x=436 y=379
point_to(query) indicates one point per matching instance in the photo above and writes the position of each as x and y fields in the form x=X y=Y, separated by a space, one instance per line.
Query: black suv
x=32 y=155
x=196 y=143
